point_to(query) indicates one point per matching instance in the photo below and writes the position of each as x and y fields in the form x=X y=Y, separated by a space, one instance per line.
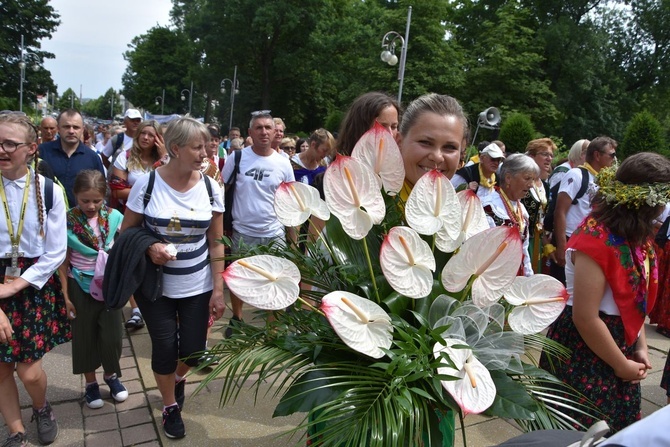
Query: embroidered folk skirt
x=38 y=318
x=665 y=380
x=660 y=314
x=619 y=401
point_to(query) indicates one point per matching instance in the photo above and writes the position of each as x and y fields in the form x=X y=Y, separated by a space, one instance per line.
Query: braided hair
x=21 y=120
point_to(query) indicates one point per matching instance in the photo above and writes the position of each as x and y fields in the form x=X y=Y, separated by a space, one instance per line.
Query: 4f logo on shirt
x=258 y=174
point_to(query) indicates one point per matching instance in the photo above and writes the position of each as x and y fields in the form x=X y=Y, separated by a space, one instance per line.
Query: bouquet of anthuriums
x=395 y=315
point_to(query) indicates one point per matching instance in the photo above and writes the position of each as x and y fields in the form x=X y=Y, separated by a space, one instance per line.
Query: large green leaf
x=309 y=391
x=512 y=399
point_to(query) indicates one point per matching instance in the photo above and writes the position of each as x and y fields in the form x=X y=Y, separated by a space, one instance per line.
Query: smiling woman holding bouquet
x=612 y=279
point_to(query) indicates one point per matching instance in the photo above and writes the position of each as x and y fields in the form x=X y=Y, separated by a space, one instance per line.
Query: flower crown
x=632 y=195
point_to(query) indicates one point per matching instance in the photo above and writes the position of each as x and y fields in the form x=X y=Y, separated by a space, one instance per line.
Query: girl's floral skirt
x=38 y=317
x=619 y=401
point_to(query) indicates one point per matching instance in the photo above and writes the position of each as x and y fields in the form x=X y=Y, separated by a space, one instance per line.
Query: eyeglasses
x=609 y=154
x=261 y=112
x=288 y=148
x=546 y=154
x=10 y=146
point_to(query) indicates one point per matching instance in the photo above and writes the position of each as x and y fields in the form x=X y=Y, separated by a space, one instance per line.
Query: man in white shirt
x=261 y=171
x=600 y=154
x=131 y=120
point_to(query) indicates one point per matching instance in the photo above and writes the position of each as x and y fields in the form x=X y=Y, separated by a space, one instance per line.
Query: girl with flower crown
x=612 y=280
x=32 y=309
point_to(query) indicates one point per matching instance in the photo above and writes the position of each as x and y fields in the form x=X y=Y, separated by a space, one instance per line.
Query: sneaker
x=173 y=425
x=116 y=388
x=93 y=397
x=179 y=388
x=135 y=321
x=232 y=324
x=207 y=359
x=16 y=440
x=47 y=427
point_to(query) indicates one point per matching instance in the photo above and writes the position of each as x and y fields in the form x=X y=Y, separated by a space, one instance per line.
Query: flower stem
x=460 y=418
x=372 y=273
x=323 y=239
x=310 y=306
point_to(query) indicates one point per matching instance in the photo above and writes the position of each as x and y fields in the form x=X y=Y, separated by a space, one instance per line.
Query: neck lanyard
x=486 y=182
x=590 y=169
x=516 y=216
x=15 y=239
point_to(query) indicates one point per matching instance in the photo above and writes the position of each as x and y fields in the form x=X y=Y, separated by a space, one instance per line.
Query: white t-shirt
x=495 y=201
x=607 y=304
x=182 y=219
x=108 y=150
x=258 y=179
x=558 y=174
x=482 y=191
x=121 y=163
x=571 y=184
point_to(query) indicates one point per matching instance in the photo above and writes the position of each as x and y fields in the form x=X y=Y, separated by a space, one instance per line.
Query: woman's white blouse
x=51 y=249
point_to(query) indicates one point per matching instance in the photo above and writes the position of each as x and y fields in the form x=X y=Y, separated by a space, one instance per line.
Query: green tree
x=643 y=134
x=516 y=131
x=35 y=20
x=101 y=107
x=160 y=59
x=67 y=100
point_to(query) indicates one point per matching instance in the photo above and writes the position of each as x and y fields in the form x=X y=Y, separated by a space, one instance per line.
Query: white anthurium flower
x=296 y=201
x=493 y=257
x=474 y=391
x=352 y=194
x=264 y=281
x=539 y=300
x=407 y=262
x=361 y=324
x=433 y=207
x=379 y=151
x=474 y=221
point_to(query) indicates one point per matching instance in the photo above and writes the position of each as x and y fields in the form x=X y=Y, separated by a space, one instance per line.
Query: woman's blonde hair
x=135 y=156
x=30 y=129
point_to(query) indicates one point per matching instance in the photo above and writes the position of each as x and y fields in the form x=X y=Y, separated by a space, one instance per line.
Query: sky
x=92 y=37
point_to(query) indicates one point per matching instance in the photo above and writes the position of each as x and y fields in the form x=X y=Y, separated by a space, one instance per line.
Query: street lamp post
x=111 y=111
x=234 y=90
x=22 y=70
x=190 y=97
x=388 y=51
x=162 y=100
x=123 y=103
x=72 y=100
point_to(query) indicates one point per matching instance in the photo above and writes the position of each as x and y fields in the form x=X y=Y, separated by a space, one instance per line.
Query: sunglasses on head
x=261 y=112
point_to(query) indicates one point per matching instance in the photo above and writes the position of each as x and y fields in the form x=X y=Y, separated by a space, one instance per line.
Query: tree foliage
x=34 y=20
x=516 y=132
x=643 y=134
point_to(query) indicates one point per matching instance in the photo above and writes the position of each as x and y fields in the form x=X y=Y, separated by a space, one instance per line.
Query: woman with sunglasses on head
x=33 y=316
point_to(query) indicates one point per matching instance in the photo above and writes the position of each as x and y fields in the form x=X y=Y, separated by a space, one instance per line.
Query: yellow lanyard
x=10 y=228
x=486 y=182
x=590 y=169
x=514 y=215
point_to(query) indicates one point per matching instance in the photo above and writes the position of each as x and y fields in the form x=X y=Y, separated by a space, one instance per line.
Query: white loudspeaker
x=489 y=118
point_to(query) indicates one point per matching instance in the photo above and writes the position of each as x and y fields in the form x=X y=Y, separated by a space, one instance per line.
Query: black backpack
x=553 y=197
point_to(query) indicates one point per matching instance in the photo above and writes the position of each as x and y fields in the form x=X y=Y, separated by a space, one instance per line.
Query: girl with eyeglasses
x=33 y=316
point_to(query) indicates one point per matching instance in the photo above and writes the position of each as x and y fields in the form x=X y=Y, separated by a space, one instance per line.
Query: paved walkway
x=137 y=420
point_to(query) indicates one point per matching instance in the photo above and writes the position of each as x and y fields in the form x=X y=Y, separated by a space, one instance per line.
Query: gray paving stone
x=139 y=433
x=106 y=438
x=103 y=422
x=133 y=417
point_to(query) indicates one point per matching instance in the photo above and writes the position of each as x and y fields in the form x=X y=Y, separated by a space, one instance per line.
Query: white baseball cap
x=493 y=151
x=132 y=114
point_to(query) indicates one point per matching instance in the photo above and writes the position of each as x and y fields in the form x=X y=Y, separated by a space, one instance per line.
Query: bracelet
x=548 y=249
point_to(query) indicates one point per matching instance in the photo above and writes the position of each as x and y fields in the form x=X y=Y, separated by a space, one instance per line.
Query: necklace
x=541 y=193
x=516 y=216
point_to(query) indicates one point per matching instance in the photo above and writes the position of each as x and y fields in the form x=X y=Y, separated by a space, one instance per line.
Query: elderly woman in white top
x=503 y=206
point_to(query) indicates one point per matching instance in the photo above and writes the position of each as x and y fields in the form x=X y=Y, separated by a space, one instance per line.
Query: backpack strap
x=150 y=188
x=118 y=142
x=236 y=168
x=48 y=194
x=208 y=185
x=584 y=186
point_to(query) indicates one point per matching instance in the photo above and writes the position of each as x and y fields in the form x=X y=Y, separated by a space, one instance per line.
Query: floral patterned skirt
x=665 y=380
x=619 y=401
x=660 y=314
x=38 y=317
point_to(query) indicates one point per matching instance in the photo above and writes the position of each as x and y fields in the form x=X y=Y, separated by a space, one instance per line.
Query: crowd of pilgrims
x=71 y=192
